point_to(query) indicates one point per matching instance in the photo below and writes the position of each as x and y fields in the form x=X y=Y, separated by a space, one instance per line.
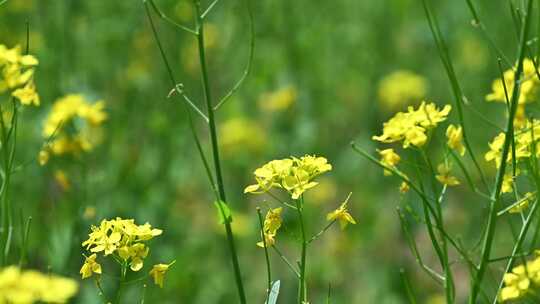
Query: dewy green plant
x=215 y=176
x=514 y=152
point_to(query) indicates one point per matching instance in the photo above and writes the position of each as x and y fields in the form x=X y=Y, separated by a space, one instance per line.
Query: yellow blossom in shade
x=444 y=176
x=272 y=223
x=455 y=139
x=401 y=87
x=411 y=127
x=522 y=204
x=158 y=273
x=90 y=267
x=404 y=187
x=19 y=286
x=341 y=214
x=295 y=175
x=389 y=158
x=279 y=100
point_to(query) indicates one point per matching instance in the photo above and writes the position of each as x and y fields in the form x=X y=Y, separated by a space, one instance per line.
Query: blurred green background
x=313 y=88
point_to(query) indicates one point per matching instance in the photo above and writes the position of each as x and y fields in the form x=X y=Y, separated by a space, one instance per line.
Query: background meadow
x=316 y=84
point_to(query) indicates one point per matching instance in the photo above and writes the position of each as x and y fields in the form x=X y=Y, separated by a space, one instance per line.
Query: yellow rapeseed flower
x=17 y=75
x=518 y=282
x=444 y=176
x=158 y=273
x=455 y=139
x=272 y=223
x=389 y=158
x=295 y=175
x=529 y=85
x=411 y=127
x=342 y=215
x=90 y=266
x=123 y=238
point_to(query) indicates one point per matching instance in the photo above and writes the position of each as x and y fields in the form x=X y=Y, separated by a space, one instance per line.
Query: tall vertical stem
x=215 y=147
x=302 y=296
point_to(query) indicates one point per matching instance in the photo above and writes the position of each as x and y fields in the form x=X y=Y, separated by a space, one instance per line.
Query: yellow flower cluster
x=444 y=176
x=17 y=75
x=411 y=126
x=528 y=93
x=455 y=139
x=28 y=286
x=341 y=214
x=519 y=281
x=389 y=158
x=529 y=85
x=401 y=87
x=295 y=175
x=526 y=140
x=272 y=223
x=122 y=238
x=72 y=112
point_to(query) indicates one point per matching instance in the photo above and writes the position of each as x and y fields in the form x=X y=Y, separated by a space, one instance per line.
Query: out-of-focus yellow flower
x=444 y=176
x=526 y=140
x=71 y=126
x=401 y=88
x=89 y=212
x=389 y=158
x=28 y=286
x=272 y=223
x=241 y=134
x=518 y=282
x=61 y=178
x=190 y=53
x=43 y=157
x=17 y=75
x=295 y=175
x=325 y=191
x=411 y=126
x=279 y=100
x=123 y=238
x=158 y=273
x=522 y=204
x=90 y=267
x=455 y=139
x=404 y=187
x=529 y=85
x=342 y=215
x=507 y=183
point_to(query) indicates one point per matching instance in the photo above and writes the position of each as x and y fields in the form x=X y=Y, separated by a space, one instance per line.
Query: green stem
x=123 y=272
x=302 y=296
x=215 y=147
x=267 y=258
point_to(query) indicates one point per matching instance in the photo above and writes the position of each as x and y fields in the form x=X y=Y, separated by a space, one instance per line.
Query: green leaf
x=224 y=213
x=274 y=292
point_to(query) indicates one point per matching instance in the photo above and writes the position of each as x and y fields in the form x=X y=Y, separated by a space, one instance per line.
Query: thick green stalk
x=492 y=217
x=215 y=147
